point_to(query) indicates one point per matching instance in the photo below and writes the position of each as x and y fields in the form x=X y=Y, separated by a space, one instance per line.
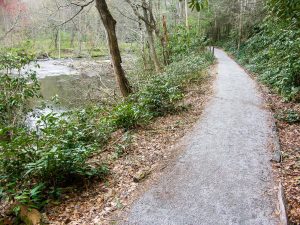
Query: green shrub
x=15 y=90
x=288 y=116
x=183 y=42
x=56 y=151
x=274 y=54
x=35 y=163
x=128 y=115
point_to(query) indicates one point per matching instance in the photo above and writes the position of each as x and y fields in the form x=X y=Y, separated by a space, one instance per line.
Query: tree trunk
x=186 y=14
x=151 y=43
x=149 y=31
x=56 y=39
x=240 y=24
x=72 y=39
x=143 y=46
x=110 y=27
x=165 y=40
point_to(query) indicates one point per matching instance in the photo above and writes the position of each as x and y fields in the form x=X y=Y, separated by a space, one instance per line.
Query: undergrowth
x=36 y=162
x=273 y=54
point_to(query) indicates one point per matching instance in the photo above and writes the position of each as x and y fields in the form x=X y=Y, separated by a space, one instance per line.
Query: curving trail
x=224 y=176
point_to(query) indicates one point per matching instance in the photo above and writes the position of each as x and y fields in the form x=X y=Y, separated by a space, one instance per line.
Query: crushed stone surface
x=224 y=176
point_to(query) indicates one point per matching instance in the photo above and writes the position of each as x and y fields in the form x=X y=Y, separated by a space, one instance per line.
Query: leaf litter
x=134 y=158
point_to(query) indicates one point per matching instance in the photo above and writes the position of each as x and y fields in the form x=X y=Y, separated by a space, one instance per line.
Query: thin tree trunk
x=143 y=46
x=186 y=14
x=154 y=57
x=166 y=40
x=72 y=39
x=150 y=38
x=240 y=24
x=80 y=35
x=56 y=39
x=59 y=43
x=110 y=26
x=198 y=24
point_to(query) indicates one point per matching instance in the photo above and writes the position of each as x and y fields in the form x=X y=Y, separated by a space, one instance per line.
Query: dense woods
x=168 y=44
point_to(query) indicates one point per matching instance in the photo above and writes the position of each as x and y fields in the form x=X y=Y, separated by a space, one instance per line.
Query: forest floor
x=224 y=175
x=287 y=119
x=135 y=159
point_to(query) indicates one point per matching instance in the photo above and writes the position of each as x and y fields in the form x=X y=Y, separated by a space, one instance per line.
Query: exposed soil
x=134 y=158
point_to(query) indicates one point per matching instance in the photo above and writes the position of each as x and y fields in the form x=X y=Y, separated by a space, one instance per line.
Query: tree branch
x=11 y=28
x=79 y=11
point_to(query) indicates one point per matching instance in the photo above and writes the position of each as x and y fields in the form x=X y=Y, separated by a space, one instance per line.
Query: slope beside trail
x=224 y=176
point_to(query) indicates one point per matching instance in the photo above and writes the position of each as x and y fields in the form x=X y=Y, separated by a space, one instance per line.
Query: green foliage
x=284 y=10
x=273 y=49
x=128 y=115
x=159 y=93
x=158 y=96
x=53 y=153
x=198 y=4
x=289 y=116
x=274 y=54
x=36 y=162
x=15 y=58
x=184 y=41
x=33 y=198
x=15 y=89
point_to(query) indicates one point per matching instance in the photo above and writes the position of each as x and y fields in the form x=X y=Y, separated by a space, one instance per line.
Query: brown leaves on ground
x=150 y=150
x=289 y=170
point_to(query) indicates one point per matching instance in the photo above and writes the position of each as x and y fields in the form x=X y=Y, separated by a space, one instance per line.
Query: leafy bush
x=52 y=154
x=288 y=116
x=127 y=115
x=158 y=94
x=273 y=53
x=16 y=89
x=277 y=60
x=35 y=163
x=183 y=42
x=55 y=154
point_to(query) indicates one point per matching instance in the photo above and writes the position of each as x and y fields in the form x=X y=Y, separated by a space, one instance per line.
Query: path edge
x=276 y=154
x=282 y=206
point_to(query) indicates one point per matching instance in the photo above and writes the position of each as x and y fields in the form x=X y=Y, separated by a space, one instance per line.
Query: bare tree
x=144 y=12
x=110 y=26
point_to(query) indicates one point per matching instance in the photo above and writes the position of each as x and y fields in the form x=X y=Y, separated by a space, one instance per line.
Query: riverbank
x=68 y=150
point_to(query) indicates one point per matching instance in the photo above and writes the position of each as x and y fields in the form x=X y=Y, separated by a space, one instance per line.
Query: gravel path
x=224 y=176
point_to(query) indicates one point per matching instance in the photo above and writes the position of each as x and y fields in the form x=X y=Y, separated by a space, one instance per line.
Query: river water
x=74 y=82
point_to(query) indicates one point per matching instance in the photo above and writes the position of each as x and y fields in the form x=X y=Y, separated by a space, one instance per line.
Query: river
x=74 y=82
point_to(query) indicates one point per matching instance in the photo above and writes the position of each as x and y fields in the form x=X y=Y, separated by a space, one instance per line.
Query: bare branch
x=12 y=27
x=80 y=10
x=136 y=12
x=119 y=11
